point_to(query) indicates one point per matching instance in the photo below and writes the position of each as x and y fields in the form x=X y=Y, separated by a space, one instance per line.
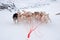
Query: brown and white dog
x=27 y=15
x=44 y=17
x=17 y=17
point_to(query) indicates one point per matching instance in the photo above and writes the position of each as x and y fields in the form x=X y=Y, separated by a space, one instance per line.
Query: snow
x=11 y=31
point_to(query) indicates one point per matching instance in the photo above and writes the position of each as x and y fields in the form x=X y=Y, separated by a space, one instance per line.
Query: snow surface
x=12 y=31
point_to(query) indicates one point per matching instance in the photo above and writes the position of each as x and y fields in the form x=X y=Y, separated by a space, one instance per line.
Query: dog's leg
x=29 y=19
x=18 y=20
